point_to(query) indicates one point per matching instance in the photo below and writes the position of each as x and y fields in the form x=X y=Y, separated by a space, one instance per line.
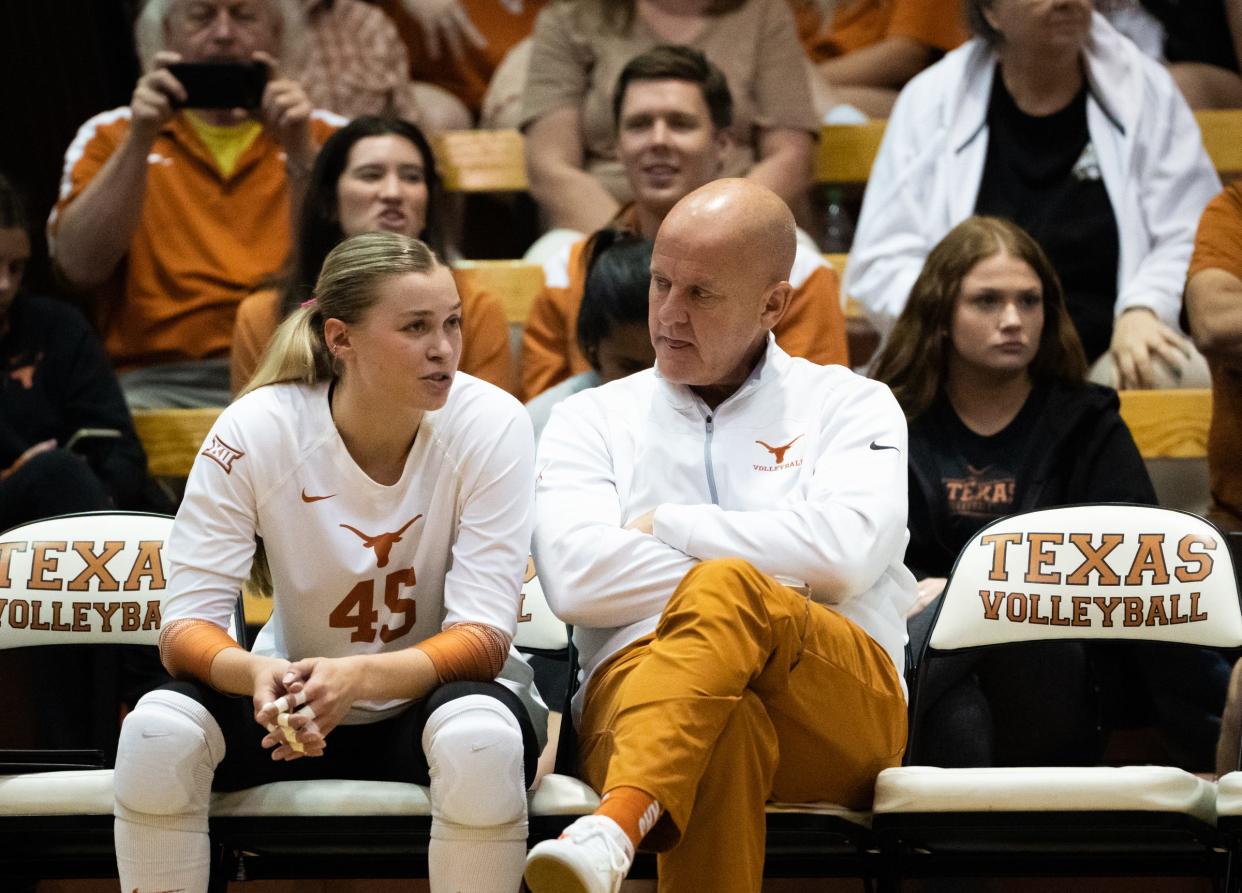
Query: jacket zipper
x=707 y=462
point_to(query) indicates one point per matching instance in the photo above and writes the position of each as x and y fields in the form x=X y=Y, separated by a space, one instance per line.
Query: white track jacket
x=926 y=176
x=802 y=473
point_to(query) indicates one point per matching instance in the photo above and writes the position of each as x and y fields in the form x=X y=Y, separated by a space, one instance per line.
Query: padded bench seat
x=926 y=789
x=89 y=792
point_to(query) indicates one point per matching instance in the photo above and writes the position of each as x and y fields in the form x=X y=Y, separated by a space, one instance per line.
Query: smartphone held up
x=220 y=85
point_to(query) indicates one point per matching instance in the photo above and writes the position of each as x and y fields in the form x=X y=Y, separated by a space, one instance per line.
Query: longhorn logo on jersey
x=222 y=454
x=778 y=453
x=382 y=543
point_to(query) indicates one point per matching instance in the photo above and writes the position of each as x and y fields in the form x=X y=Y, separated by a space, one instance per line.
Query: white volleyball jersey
x=357 y=566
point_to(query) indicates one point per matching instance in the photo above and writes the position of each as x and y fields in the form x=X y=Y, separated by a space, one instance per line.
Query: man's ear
x=775 y=304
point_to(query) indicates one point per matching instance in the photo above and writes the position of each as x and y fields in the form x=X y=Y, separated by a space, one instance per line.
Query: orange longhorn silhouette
x=383 y=543
x=779 y=451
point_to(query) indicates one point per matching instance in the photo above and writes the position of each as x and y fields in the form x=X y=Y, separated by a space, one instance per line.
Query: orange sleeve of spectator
x=550 y=340
x=258 y=315
x=1218 y=243
x=813 y=325
x=544 y=351
x=936 y=23
x=485 y=339
x=187 y=648
x=467 y=652
x=93 y=145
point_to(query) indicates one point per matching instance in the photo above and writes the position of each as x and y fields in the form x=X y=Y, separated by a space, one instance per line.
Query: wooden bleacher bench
x=493 y=160
x=515 y=282
x=1169 y=424
x=846 y=151
x=481 y=160
x=173 y=437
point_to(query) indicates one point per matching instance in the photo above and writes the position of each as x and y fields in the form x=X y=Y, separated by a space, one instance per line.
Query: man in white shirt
x=725 y=532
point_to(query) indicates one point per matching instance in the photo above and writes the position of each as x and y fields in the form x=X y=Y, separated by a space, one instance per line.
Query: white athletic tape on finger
x=281 y=704
x=294 y=744
x=307 y=711
x=299 y=698
x=282 y=720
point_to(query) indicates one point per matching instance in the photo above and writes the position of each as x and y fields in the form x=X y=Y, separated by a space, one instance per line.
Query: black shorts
x=388 y=750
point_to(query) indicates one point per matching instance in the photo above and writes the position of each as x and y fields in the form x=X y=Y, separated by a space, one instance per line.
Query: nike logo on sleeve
x=874 y=446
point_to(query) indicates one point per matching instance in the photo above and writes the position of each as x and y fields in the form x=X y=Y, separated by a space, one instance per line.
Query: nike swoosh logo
x=475 y=748
x=178 y=890
x=306 y=498
x=874 y=446
x=158 y=733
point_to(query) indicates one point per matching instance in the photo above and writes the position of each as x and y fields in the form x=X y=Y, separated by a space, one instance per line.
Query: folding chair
x=91 y=578
x=1084 y=573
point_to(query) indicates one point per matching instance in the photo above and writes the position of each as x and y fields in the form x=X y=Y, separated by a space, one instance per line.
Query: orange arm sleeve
x=187 y=648
x=467 y=651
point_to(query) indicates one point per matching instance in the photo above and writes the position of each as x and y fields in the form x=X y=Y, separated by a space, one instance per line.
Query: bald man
x=725 y=533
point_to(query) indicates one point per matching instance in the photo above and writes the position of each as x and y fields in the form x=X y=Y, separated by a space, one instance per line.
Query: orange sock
x=634 y=810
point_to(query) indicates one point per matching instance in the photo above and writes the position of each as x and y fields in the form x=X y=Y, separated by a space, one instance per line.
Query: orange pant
x=746 y=692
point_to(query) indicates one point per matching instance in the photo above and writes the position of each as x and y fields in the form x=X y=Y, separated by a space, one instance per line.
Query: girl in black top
x=54 y=382
x=987 y=366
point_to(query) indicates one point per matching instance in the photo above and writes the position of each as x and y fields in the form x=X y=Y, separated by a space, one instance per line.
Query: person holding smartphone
x=55 y=385
x=173 y=208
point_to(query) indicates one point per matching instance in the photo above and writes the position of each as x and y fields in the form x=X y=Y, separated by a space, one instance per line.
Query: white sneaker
x=593 y=855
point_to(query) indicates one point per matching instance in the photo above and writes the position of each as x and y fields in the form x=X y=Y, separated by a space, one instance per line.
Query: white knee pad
x=474 y=754
x=167 y=755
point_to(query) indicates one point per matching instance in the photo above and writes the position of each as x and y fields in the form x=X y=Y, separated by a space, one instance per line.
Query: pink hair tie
x=308 y=302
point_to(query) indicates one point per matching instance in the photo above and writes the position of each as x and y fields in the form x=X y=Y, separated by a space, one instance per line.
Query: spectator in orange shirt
x=374 y=174
x=871 y=48
x=672 y=109
x=1214 y=307
x=612 y=331
x=182 y=212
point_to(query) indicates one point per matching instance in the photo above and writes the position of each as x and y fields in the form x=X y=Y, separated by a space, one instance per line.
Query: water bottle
x=838 y=226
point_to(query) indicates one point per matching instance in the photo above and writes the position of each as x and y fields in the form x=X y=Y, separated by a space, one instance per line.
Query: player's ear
x=337 y=337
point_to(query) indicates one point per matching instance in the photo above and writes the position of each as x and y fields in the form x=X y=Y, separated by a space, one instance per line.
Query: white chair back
x=1092 y=572
x=97 y=577
x=538 y=628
